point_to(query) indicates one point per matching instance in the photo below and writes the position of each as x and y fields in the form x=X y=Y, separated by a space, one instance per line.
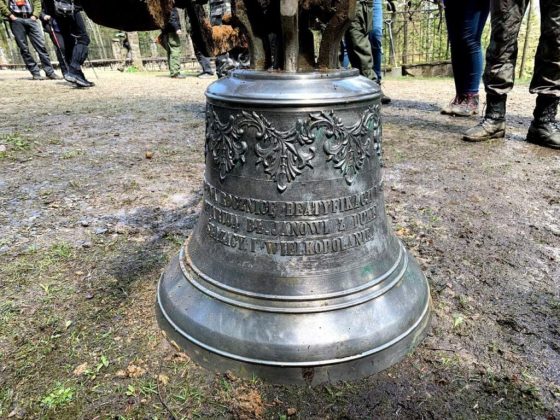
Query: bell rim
x=393 y=271
x=419 y=326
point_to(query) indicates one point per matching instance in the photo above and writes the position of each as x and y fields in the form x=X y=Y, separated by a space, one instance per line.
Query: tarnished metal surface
x=292 y=273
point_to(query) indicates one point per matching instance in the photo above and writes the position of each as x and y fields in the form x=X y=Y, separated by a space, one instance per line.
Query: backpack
x=63 y=8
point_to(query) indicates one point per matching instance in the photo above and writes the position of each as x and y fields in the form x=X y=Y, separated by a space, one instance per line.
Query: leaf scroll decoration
x=349 y=147
x=224 y=142
x=285 y=154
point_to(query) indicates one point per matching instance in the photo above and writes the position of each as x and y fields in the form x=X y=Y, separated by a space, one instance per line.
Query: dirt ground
x=88 y=222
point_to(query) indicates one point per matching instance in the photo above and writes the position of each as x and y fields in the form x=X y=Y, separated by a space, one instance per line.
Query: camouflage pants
x=357 y=39
x=506 y=18
x=172 y=44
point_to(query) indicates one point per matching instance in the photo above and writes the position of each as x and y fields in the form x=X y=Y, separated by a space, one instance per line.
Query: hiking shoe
x=544 y=129
x=486 y=129
x=385 y=99
x=544 y=134
x=448 y=109
x=178 y=76
x=54 y=76
x=83 y=76
x=205 y=75
x=467 y=106
x=38 y=77
x=78 y=80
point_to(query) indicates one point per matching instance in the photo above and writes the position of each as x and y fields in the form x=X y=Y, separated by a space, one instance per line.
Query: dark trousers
x=506 y=17
x=59 y=46
x=29 y=28
x=465 y=22
x=203 y=61
x=75 y=41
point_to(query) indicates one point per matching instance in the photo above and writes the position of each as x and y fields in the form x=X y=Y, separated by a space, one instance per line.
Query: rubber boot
x=493 y=125
x=544 y=129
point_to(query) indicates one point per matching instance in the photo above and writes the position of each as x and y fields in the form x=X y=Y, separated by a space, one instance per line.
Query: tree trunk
x=404 y=57
x=135 y=50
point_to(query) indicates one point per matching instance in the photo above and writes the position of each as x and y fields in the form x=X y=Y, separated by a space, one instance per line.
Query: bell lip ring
x=364 y=298
x=184 y=260
x=418 y=323
x=247 y=74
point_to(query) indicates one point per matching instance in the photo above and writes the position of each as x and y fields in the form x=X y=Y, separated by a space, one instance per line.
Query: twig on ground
x=171 y=413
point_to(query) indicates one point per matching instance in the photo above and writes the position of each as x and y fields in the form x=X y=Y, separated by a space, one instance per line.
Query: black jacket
x=48 y=6
x=174 y=23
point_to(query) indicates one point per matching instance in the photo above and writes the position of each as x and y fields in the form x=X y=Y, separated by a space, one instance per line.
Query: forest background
x=414 y=34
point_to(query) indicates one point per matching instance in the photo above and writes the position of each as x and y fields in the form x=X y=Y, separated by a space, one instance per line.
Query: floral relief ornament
x=285 y=154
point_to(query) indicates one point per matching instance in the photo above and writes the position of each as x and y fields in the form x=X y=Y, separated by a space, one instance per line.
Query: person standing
x=465 y=21
x=171 y=42
x=123 y=48
x=23 y=16
x=506 y=18
x=72 y=40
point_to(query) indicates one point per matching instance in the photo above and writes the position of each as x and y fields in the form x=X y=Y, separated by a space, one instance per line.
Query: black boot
x=493 y=125
x=544 y=129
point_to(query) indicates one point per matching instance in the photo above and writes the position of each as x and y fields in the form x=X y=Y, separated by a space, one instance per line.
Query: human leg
x=499 y=74
x=174 y=54
x=59 y=45
x=506 y=17
x=20 y=35
x=35 y=33
x=204 y=63
x=454 y=20
x=76 y=41
x=376 y=37
x=544 y=128
x=81 y=42
x=477 y=15
x=468 y=33
x=454 y=13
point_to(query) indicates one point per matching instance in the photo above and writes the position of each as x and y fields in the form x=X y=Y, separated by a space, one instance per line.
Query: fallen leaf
x=134 y=371
x=81 y=369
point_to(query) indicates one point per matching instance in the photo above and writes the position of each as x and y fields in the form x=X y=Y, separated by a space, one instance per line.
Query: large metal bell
x=293 y=273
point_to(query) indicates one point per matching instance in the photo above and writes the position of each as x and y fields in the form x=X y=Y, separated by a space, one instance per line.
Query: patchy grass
x=15 y=144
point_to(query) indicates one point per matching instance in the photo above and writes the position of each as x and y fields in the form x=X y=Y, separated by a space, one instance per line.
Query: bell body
x=292 y=273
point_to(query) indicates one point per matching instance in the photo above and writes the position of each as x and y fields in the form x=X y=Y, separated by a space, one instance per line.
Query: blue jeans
x=376 y=37
x=465 y=22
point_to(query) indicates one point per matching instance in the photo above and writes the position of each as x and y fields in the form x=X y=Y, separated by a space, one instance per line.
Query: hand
x=47 y=17
x=178 y=32
x=33 y=18
x=12 y=18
